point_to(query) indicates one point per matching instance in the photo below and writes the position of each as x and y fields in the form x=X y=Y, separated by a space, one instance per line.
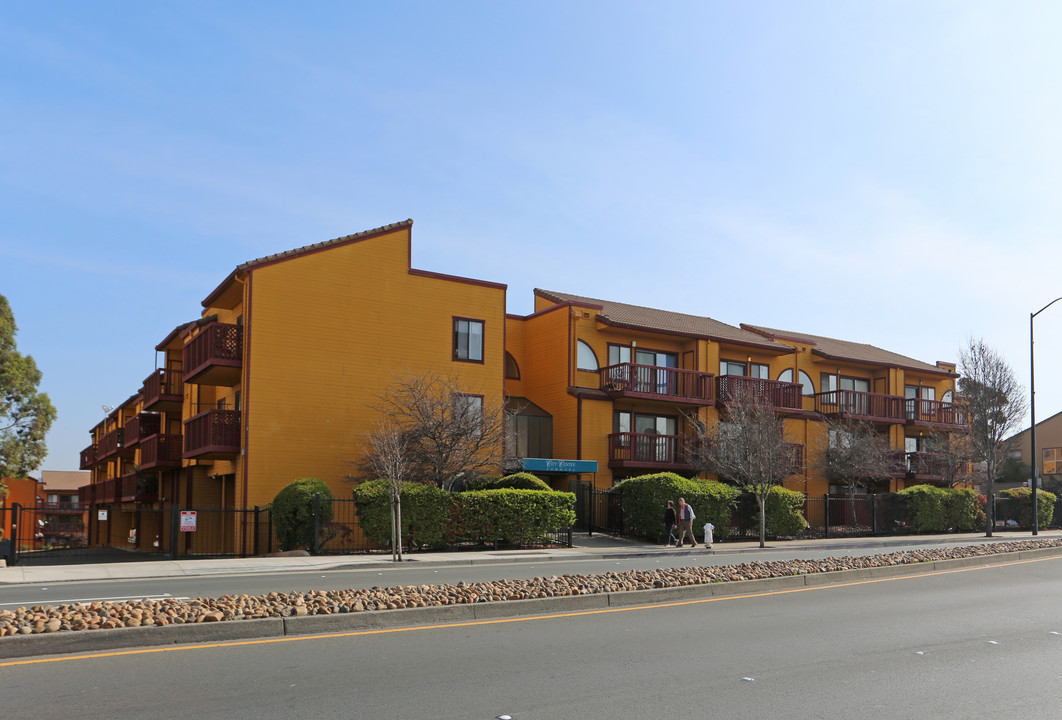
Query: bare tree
x=995 y=406
x=448 y=434
x=390 y=460
x=748 y=448
x=856 y=456
x=952 y=457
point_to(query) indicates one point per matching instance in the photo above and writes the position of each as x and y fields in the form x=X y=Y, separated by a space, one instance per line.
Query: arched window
x=949 y=397
x=512 y=370
x=805 y=381
x=586 y=359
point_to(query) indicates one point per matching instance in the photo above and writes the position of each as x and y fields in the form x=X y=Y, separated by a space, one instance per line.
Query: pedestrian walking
x=669 y=523
x=686 y=517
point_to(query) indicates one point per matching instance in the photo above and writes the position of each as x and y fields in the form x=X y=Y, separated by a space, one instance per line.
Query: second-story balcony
x=159 y=452
x=163 y=390
x=215 y=355
x=859 y=405
x=139 y=427
x=780 y=396
x=934 y=413
x=212 y=435
x=136 y=488
x=924 y=466
x=652 y=382
x=106 y=491
x=649 y=450
x=88 y=457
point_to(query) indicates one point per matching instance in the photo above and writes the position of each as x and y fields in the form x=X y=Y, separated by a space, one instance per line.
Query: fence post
x=874 y=514
x=15 y=520
x=255 y=544
x=175 y=533
x=316 y=524
x=826 y=517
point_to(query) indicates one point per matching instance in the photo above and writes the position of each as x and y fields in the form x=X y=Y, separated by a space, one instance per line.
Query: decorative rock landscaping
x=147 y=613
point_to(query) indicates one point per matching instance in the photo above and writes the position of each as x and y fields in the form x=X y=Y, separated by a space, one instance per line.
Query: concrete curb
x=60 y=643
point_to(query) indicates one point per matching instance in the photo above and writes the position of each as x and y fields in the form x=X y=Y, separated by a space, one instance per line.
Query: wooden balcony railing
x=109 y=445
x=63 y=528
x=779 y=395
x=215 y=355
x=924 y=466
x=85 y=495
x=163 y=390
x=649 y=450
x=62 y=507
x=212 y=434
x=658 y=383
x=106 y=491
x=88 y=457
x=140 y=426
x=161 y=451
x=934 y=412
x=858 y=405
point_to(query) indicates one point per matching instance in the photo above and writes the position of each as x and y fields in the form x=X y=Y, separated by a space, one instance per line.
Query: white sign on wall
x=101 y=515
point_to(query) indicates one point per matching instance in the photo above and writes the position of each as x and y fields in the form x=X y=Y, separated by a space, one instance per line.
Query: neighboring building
x=24 y=492
x=276 y=378
x=1048 y=451
x=61 y=509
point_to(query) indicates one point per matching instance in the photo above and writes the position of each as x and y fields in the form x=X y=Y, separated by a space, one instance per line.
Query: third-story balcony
x=934 y=413
x=212 y=435
x=141 y=426
x=858 y=405
x=780 y=396
x=163 y=390
x=649 y=450
x=215 y=355
x=160 y=452
x=88 y=457
x=651 y=382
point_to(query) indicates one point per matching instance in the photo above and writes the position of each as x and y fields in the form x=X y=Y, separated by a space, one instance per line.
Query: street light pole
x=1032 y=418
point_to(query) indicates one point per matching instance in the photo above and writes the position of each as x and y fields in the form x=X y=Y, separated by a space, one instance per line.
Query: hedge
x=292 y=512
x=434 y=517
x=1021 y=510
x=644 y=499
x=931 y=509
x=516 y=481
x=784 y=511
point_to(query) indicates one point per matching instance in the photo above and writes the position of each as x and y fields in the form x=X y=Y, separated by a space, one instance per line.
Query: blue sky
x=886 y=173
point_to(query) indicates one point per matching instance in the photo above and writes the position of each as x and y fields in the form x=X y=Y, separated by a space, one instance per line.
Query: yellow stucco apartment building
x=275 y=379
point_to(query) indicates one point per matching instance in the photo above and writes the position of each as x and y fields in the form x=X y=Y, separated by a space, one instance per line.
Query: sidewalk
x=596 y=546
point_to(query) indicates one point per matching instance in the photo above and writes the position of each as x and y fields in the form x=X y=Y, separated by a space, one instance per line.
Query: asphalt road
x=951 y=645
x=413 y=574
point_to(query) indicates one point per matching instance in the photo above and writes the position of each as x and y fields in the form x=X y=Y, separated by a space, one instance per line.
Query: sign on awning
x=560 y=467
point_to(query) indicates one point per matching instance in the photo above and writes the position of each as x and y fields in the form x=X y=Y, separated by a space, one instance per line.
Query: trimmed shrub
x=508 y=515
x=1021 y=507
x=425 y=512
x=292 y=512
x=516 y=481
x=925 y=508
x=644 y=499
x=784 y=513
x=964 y=509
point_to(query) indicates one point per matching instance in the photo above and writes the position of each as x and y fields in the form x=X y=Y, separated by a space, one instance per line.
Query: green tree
x=292 y=512
x=25 y=414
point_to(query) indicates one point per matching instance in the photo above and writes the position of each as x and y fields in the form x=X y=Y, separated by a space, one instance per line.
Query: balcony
x=934 y=413
x=109 y=445
x=923 y=466
x=160 y=452
x=106 y=491
x=212 y=435
x=53 y=529
x=649 y=450
x=651 y=382
x=858 y=405
x=163 y=391
x=141 y=426
x=88 y=457
x=136 y=488
x=215 y=355
x=781 y=396
x=84 y=496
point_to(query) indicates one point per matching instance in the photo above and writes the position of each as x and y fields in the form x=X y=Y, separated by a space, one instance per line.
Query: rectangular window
x=468 y=340
x=756 y=370
x=1052 y=461
x=619 y=354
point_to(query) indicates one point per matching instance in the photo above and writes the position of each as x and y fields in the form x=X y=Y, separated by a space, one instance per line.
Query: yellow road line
x=498 y=621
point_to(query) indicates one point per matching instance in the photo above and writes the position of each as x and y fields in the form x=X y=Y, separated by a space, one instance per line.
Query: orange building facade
x=276 y=378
